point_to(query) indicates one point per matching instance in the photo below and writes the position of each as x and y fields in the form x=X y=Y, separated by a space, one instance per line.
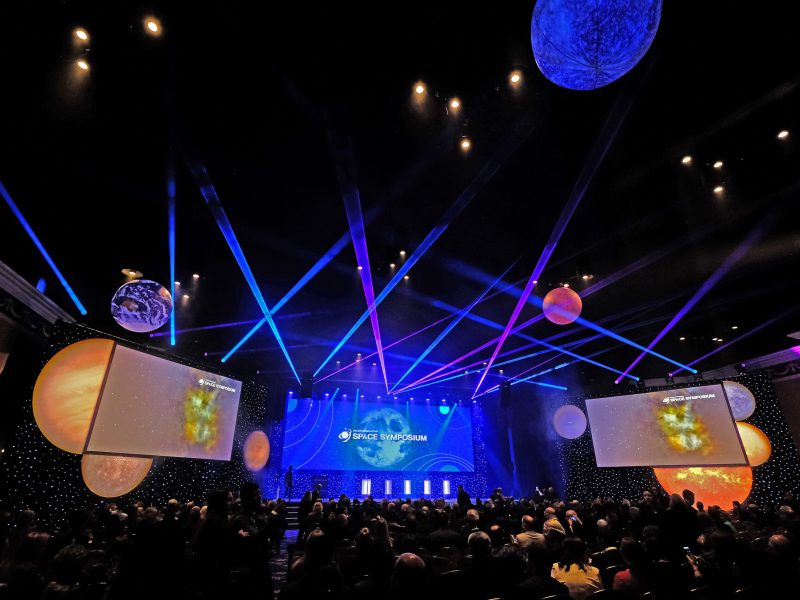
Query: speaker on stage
x=306 y=385
x=505 y=394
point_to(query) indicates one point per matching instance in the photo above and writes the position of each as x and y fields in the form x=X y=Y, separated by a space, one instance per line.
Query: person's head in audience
x=633 y=553
x=250 y=494
x=218 y=504
x=317 y=508
x=480 y=545
x=510 y=564
x=528 y=523
x=409 y=576
x=498 y=536
x=573 y=553
x=688 y=496
x=472 y=518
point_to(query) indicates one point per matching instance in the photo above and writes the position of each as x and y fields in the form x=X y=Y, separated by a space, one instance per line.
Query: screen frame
x=139 y=455
x=695 y=385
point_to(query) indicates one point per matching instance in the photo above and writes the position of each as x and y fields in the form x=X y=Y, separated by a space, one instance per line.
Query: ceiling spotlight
x=687 y=160
x=177 y=283
x=719 y=189
x=132 y=273
x=406 y=277
x=783 y=134
x=152 y=25
x=682 y=339
x=515 y=77
x=566 y=285
x=455 y=103
x=735 y=327
x=419 y=88
x=713 y=339
x=82 y=65
x=718 y=164
x=195 y=276
x=719 y=339
x=81 y=34
x=360 y=268
x=466 y=144
x=392 y=265
x=186 y=296
x=402 y=252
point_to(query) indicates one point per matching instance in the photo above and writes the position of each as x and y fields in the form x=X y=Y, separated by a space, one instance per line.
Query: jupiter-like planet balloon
x=756 y=444
x=562 y=306
x=113 y=476
x=66 y=392
x=713 y=486
x=740 y=399
x=256 y=451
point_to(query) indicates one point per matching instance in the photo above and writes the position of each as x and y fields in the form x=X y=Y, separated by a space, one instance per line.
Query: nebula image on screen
x=367 y=436
x=683 y=429
x=678 y=427
x=151 y=406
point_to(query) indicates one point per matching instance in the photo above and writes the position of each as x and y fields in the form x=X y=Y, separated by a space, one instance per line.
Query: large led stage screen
x=666 y=428
x=150 y=406
x=346 y=435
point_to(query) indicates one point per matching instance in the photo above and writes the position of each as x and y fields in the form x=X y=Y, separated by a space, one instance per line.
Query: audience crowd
x=657 y=546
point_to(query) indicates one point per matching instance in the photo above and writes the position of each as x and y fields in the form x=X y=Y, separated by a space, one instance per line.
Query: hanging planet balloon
x=569 y=422
x=141 y=306
x=756 y=444
x=584 y=45
x=256 y=451
x=740 y=399
x=113 y=476
x=562 y=306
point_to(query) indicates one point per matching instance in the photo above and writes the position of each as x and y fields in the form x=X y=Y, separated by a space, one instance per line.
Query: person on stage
x=463 y=498
x=288 y=483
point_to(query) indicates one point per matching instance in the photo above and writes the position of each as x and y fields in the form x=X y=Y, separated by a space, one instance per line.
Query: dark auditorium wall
x=788 y=391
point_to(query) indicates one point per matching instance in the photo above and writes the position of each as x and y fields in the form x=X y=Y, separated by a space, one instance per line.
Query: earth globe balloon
x=562 y=306
x=740 y=399
x=141 y=306
x=584 y=45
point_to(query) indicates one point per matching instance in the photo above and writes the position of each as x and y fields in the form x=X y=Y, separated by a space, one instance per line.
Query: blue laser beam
x=171 y=226
x=29 y=230
x=476 y=185
x=212 y=199
x=450 y=326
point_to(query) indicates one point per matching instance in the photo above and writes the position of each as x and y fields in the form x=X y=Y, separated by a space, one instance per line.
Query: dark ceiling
x=255 y=92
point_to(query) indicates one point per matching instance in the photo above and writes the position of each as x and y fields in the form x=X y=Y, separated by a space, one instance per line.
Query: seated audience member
x=529 y=537
x=634 y=581
x=574 y=570
x=540 y=584
x=410 y=577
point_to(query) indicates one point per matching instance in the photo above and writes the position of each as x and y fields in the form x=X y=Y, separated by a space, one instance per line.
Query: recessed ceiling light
x=406 y=277
x=186 y=296
x=682 y=339
x=195 y=276
x=719 y=189
x=177 y=283
x=152 y=25
x=392 y=265
x=419 y=88
x=81 y=34
x=718 y=164
x=783 y=134
x=566 y=285
x=687 y=160
x=83 y=65
x=360 y=268
x=735 y=327
x=466 y=144
x=455 y=103
x=402 y=252
x=515 y=77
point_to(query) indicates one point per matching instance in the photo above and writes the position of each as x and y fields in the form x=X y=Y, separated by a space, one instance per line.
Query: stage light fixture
x=419 y=89
x=698 y=376
x=719 y=189
x=82 y=65
x=687 y=160
x=783 y=134
x=455 y=103
x=152 y=26
x=741 y=368
x=669 y=379
x=718 y=164
x=466 y=144
x=81 y=34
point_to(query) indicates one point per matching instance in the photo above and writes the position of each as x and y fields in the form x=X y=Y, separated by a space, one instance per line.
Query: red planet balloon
x=562 y=306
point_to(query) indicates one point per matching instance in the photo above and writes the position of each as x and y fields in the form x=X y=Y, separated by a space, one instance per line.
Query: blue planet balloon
x=586 y=44
x=740 y=399
x=141 y=305
x=569 y=421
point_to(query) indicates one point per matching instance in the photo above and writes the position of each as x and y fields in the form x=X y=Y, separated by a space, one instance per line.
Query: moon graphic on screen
x=384 y=454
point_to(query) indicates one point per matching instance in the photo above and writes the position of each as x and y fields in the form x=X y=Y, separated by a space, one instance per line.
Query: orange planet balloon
x=713 y=486
x=756 y=444
x=562 y=306
x=66 y=392
x=256 y=451
x=112 y=476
